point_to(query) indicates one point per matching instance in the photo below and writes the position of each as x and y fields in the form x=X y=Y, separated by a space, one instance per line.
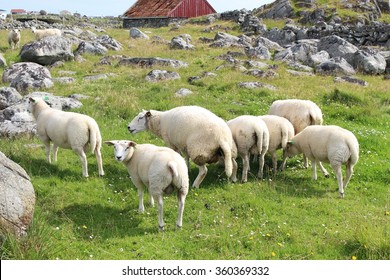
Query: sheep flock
x=198 y=135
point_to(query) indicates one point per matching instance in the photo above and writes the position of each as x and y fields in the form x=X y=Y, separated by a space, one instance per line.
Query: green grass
x=289 y=216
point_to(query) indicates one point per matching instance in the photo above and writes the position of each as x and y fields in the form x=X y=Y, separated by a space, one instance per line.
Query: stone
x=279 y=9
x=8 y=97
x=181 y=44
x=152 y=61
x=335 y=66
x=183 y=92
x=94 y=48
x=349 y=79
x=135 y=33
x=17 y=197
x=336 y=46
x=3 y=62
x=260 y=52
x=252 y=85
x=369 y=63
x=47 y=51
x=161 y=75
x=109 y=42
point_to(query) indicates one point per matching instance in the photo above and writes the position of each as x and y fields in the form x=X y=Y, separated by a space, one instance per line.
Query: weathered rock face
x=338 y=47
x=180 y=43
x=161 y=75
x=47 y=50
x=135 y=33
x=17 y=197
x=94 y=48
x=369 y=63
x=279 y=9
x=109 y=42
x=3 y=62
x=152 y=61
x=8 y=96
x=27 y=75
x=335 y=66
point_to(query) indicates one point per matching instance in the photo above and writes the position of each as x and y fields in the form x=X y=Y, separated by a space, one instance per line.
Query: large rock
x=161 y=75
x=8 y=96
x=3 y=62
x=94 y=48
x=336 y=46
x=180 y=43
x=152 y=61
x=335 y=67
x=280 y=9
x=47 y=50
x=109 y=42
x=17 y=197
x=27 y=75
x=135 y=33
x=369 y=63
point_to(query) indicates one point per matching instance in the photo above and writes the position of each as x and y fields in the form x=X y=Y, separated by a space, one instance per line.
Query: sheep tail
x=284 y=139
x=227 y=153
x=259 y=134
x=172 y=165
x=94 y=137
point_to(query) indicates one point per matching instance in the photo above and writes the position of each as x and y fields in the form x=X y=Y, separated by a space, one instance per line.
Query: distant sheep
x=41 y=33
x=194 y=131
x=331 y=144
x=301 y=113
x=252 y=137
x=280 y=132
x=14 y=38
x=160 y=169
x=67 y=130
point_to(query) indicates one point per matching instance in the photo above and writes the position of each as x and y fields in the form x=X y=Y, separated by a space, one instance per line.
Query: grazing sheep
x=14 y=38
x=301 y=113
x=67 y=130
x=280 y=132
x=251 y=136
x=39 y=34
x=160 y=169
x=331 y=144
x=198 y=133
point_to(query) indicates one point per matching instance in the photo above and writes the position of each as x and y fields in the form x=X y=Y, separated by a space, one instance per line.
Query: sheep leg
x=160 y=211
x=275 y=161
x=348 y=174
x=140 y=192
x=261 y=166
x=324 y=171
x=201 y=175
x=151 y=200
x=99 y=162
x=314 y=168
x=339 y=176
x=48 y=148
x=180 y=201
x=305 y=161
x=83 y=158
x=245 y=167
x=55 y=152
x=234 y=172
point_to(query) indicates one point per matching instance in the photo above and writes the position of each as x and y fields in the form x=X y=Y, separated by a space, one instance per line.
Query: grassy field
x=289 y=216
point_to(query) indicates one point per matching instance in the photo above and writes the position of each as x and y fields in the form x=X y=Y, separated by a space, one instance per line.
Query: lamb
x=160 y=169
x=301 y=113
x=251 y=136
x=39 y=34
x=14 y=38
x=280 y=132
x=331 y=144
x=195 y=131
x=67 y=130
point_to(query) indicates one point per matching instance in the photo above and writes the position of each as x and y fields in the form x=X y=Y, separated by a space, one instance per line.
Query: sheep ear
x=132 y=144
x=148 y=114
x=110 y=143
x=32 y=100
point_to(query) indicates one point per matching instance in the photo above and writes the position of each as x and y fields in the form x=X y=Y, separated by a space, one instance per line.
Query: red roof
x=169 y=8
x=18 y=11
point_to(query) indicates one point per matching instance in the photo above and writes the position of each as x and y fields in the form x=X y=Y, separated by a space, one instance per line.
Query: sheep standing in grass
x=14 y=38
x=331 y=144
x=160 y=169
x=67 y=130
x=39 y=34
x=301 y=113
x=251 y=136
x=280 y=132
x=198 y=133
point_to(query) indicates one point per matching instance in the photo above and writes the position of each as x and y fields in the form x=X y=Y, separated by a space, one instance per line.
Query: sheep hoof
x=327 y=176
x=341 y=195
x=178 y=227
x=161 y=228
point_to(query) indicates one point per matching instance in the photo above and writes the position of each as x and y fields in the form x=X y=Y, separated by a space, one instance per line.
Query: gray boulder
x=47 y=50
x=260 y=52
x=94 y=48
x=8 y=96
x=253 y=85
x=318 y=58
x=109 y=42
x=279 y=9
x=335 y=67
x=180 y=43
x=284 y=37
x=17 y=197
x=336 y=46
x=135 y=33
x=27 y=75
x=183 y=92
x=161 y=75
x=271 y=45
x=152 y=61
x=369 y=63
x=300 y=52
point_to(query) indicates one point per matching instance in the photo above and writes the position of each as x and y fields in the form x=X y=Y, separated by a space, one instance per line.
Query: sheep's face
x=123 y=150
x=291 y=149
x=139 y=123
x=31 y=104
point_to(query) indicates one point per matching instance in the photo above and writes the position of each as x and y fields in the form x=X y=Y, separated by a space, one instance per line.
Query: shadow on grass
x=104 y=222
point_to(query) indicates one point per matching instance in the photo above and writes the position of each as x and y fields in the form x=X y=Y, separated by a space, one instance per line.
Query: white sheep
x=331 y=144
x=251 y=136
x=195 y=131
x=41 y=33
x=67 y=130
x=14 y=38
x=301 y=113
x=280 y=132
x=160 y=169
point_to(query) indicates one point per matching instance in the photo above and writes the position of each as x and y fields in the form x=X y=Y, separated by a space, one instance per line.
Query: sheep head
x=139 y=123
x=123 y=149
x=292 y=149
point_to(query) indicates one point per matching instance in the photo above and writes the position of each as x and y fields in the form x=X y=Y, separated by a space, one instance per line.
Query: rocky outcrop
x=17 y=197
